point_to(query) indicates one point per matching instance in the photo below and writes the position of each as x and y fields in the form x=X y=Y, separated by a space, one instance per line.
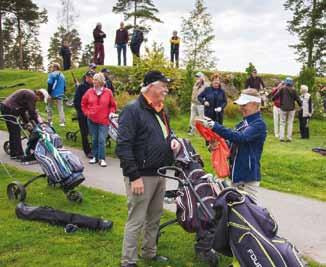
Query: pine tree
x=87 y=55
x=67 y=14
x=138 y=10
x=309 y=24
x=197 y=32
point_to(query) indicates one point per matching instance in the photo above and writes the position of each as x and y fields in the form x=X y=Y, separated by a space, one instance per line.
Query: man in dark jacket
x=108 y=82
x=99 y=36
x=255 y=81
x=136 y=40
x=145 y=143
x=247 y=141
x=121 y=41
x=21 y=103
x=82 y=119
x=288 y=96
x=66 y=55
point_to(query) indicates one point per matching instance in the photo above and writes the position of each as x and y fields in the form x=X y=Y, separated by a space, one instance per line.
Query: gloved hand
x=218 y=109
x=206 y=104
x=208 y=122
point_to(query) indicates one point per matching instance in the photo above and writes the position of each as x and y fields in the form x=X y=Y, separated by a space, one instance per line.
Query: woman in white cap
x=197 y=108
x=305 y=112
x=247 y=141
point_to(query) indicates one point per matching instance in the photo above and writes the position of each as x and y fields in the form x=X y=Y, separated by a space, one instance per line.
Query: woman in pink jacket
x=97 y=104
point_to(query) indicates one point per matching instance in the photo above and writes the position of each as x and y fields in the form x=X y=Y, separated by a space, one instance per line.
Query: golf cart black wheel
x=16 y=191
x=75 y=196
x=74 y=138
x=69 y=135
x=6 y=147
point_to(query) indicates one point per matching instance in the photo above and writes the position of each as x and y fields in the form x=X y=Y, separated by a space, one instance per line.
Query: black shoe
x=282 y=140
x=288 y=140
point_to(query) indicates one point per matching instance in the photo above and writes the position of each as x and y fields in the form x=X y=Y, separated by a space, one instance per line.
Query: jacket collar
x=252 y=117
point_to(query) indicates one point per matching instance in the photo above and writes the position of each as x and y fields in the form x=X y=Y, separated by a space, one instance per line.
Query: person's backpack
x=249 y=232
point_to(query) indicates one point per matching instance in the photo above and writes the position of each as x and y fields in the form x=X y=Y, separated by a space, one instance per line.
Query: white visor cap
x=245 y=99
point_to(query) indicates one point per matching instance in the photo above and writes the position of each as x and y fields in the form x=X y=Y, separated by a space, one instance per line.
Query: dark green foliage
x=186 y=91
x=309 y=24
x=250 y=68
x=140 y=11
x=307 y=76
x=87 y=55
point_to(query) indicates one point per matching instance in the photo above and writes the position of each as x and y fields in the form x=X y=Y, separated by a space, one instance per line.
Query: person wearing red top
x=97 y=104
x=276 y=109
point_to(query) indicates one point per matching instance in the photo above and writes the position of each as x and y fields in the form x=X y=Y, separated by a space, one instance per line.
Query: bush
x=186 y=89
x=123 y=98
x=231 y=110
x=172 y=105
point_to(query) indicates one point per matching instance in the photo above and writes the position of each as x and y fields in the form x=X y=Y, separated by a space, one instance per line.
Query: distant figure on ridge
x=99 y=35
x=175 y=44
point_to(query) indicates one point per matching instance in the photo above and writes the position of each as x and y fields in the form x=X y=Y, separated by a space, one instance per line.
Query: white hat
x=199 y=74
x=45 y=94
x=245 y=99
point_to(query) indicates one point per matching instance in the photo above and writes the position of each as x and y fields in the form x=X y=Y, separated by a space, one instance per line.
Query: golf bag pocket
x=74 y=163
x=251 y=249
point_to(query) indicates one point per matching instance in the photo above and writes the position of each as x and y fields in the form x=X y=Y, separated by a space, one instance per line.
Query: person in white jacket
x=305 y=112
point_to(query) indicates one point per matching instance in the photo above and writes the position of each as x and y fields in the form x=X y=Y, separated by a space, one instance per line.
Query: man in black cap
x=108 y=82
x=82 y=119
x=145 y=143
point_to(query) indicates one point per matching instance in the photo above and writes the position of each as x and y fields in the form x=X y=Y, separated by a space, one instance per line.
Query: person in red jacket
x=97 y=104
x=276 y=108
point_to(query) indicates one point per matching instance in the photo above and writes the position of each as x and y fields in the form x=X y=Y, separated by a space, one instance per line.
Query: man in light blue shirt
x=56 y=89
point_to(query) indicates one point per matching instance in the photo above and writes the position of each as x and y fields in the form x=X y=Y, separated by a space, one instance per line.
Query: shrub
x=172 y=105
x=123 y=98
x=186 y=89
x=231 y=110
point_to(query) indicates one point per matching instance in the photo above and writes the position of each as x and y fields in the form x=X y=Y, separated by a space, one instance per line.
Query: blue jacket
x=247 y=141
x=56 y=84
x=215 y=97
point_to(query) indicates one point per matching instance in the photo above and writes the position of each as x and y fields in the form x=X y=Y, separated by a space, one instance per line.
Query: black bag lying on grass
x=57 y=217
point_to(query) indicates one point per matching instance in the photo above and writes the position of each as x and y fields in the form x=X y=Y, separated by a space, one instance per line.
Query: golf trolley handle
x=162 y=172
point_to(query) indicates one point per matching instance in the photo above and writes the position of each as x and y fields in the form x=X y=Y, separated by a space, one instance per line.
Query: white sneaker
x=92 y=161
x=102 y=163
x=62 y=125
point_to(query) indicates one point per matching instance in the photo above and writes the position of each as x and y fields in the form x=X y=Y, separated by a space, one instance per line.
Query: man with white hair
x=145 y=143
x=99 y=36
x=247 y=141
x=305 y=112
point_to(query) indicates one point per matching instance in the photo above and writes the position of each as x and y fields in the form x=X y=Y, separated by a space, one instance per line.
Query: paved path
x=301 y=220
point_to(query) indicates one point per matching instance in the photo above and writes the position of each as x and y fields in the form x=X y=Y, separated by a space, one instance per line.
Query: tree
x=55 y=43
x=197 y=32
x=250 y=68
x=67 y=14
x=87 y=55
x=139 y=10
x=309 y=24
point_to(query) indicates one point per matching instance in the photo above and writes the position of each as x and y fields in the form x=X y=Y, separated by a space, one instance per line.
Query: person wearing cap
x=121 y=41
x=97 y=104
x=82 y=119
x=99 y=36
x=56 y=89
x=255 y=81
x=246 y=142
x=21 y=104
x=288 y=97
x=214 y=99
x=305 y=112
x=108 y=82
x=174 y=51
x=197 y=108
x=145 y=143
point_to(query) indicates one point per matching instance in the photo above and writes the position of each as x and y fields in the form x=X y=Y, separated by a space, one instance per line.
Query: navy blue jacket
x=247 y=142
x=80 y=91
x=215 y=97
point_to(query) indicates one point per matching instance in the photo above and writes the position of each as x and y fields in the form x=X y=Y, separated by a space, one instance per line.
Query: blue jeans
x=122 y=47
x=99 y=134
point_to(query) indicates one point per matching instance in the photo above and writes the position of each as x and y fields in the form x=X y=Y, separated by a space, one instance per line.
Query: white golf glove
x=219 y=109
x=208 y=122
x=206 y=104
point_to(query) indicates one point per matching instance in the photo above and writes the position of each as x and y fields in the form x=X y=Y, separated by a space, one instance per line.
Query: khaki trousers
x=144 y=213
x=60 y=109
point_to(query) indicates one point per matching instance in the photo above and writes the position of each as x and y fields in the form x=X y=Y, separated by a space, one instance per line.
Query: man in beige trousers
x=145 y=143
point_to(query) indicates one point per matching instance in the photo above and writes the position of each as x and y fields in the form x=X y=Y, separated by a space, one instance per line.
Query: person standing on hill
x=214 y=99
x=65 y=52
x=136 y=40
x=175 y=45
x=305 y=112
x=121 y=41
x=288 y=97
x=99 y=36
x=56 y=89
x=255 y=81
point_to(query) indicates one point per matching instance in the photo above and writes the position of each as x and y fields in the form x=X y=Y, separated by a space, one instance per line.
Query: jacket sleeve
x=201 y=96
x=262 y=82
x=276 y=94
x=116 y=37
x=297 y=98
x=225 y=100
x=247 y=135
x=112 y=104
x=127 y=132
x=310 y=105
x=77 y=98
x=84 y=104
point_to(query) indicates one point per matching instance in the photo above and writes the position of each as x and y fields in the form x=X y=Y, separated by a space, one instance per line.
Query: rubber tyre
x=16 y=191
x=75 y=196
x=6 y=147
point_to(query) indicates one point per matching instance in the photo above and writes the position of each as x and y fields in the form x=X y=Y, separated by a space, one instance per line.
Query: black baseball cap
x=153 y=76
x=90 y=73
x=105 y=70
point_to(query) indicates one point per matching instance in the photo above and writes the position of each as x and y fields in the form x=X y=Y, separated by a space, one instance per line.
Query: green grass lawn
x=25 y=243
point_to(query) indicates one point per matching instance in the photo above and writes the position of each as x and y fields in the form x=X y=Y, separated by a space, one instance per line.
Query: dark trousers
x=66 y=62
x=123 y=48
x=99 y=54
x=215 y=116
x=82 y=121
x=304 y=126
x=15 y=144
x=175 y=57
x=135 y=49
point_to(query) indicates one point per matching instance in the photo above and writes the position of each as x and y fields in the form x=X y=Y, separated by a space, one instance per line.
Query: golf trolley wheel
x=6 y=147
x=74 y=196
x=16 y=191
x=71 y=136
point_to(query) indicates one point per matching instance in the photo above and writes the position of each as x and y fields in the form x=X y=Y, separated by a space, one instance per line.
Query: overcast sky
x=245 y=30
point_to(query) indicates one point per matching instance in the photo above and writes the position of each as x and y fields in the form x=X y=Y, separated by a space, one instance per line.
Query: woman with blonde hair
x=97 y=104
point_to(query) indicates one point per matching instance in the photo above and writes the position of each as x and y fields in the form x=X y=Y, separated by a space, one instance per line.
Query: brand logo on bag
x=253 y=257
